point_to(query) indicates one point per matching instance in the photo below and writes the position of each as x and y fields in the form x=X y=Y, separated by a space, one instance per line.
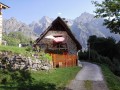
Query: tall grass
x=113 y=81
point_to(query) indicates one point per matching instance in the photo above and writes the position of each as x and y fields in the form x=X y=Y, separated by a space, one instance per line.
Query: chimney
x=64 y=19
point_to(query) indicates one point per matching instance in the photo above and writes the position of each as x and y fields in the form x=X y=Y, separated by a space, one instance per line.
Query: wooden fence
x=64 y=60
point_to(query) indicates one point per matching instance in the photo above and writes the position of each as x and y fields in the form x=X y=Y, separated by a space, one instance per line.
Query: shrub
x=44 y=56
x=82 y=55
x=116 y=66
x=48 y=57
x=28 y=48
x=93 y=55
x=106 y=61
x=4 y=77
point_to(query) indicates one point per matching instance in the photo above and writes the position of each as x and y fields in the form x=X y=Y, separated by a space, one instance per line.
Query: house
x=59 y=41
x=2 y=6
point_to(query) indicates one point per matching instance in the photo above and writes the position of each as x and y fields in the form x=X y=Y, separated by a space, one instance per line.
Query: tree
x=91 y=40
x=110 y=11
x=104 y=46
x=118 y=50
x=14 y=38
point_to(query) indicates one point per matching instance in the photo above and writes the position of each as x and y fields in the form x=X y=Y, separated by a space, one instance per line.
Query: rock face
x=41 y=25
x=12 y=25
x=18 y=62
x=86 y=25
x=82 y=27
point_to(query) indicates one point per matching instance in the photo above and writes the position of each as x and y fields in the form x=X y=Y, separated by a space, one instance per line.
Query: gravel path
x=88 y=78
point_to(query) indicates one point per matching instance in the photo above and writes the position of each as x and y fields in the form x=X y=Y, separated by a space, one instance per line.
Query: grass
x=59 y=77
x=14 y=49
x=113 y=81
x=55 y=79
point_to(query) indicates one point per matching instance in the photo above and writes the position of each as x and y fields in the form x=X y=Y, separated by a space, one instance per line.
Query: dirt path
x=89 y=78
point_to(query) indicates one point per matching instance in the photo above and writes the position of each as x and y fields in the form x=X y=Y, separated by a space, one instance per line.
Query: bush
x=44 y=56
x=28 y=48
x=82 y=55
x=116 y=66
x=94 y=55
x=106 y=61
x=4 y=77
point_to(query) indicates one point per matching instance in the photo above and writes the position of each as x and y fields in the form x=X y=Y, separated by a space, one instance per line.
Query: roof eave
x=4 y=6
x=79 y=47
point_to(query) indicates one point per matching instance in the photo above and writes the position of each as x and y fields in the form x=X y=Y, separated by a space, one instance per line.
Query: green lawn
x=12 y=48
x=55 y=79
x=113 y=81
x=23 y=51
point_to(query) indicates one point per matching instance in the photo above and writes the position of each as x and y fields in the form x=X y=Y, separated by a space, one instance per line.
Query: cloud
x=59 y=13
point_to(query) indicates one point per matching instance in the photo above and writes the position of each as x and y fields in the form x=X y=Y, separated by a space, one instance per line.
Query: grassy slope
x=14 y=49
x=113 y=81
x=58 y=77
x=55 y=79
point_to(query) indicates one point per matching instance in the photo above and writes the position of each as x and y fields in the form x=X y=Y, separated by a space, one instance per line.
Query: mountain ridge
x=82 y=27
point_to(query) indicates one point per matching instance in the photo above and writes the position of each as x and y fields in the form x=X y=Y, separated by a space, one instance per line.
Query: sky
x=33 y=10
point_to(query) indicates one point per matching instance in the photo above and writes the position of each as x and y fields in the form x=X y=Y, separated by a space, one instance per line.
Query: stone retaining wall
x=15 y=62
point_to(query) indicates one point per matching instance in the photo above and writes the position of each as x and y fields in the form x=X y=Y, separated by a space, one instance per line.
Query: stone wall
x=72 y=49
x=18 y=62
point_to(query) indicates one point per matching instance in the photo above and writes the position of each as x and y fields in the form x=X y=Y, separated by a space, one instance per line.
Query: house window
x=58 y=42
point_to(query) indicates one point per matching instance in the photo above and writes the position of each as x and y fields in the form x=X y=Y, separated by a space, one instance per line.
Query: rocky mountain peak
x=13 y=18
x=85 y=18
x=45 y=19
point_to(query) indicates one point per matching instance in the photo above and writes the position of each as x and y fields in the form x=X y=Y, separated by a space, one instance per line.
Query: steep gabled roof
x=3 y=6
x=67 y=29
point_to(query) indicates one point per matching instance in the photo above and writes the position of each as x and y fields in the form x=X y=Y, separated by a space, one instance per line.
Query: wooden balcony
x=56 y=50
